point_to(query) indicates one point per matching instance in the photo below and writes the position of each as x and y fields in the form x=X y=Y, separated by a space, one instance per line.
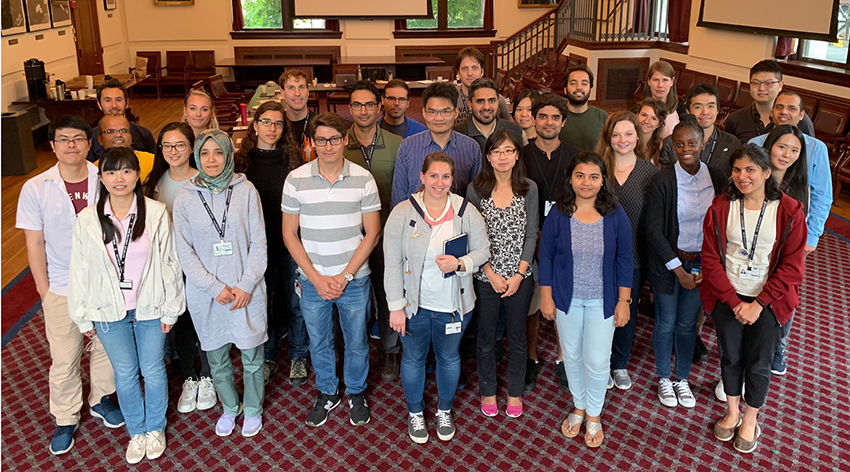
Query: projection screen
x=810 y=19
x=363 y=9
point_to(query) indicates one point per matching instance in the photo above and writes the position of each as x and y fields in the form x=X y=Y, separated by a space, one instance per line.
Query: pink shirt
x=137 y=253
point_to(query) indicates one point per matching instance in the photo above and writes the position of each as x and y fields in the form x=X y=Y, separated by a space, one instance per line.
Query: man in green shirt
x=375 y=150
x=584 y=122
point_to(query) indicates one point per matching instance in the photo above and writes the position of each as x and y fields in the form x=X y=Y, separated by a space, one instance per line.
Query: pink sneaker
x=491 y=409
x=514 y=411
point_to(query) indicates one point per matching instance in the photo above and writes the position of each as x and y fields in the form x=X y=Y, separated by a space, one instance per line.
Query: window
x=274 y=18
x=452 y=18
x=830 y=53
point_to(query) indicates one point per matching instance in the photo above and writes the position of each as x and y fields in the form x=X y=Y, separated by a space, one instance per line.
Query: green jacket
x=382 y=164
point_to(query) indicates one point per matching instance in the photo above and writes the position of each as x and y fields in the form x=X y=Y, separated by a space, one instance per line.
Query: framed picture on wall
x=60 y=11
x=537 y=3
x=38 y=15
x=14 y=18
x=173 y=2
x=110 y=4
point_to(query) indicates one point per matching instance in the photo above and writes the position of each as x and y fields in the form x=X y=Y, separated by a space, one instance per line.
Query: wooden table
x=79 y=82
x=250 y=73
x=405 y=67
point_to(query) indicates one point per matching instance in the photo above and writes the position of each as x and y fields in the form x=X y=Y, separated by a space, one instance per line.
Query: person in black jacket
x=678 y=199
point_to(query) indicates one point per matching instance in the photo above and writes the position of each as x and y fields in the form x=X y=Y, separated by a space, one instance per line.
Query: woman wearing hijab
x=221 y=241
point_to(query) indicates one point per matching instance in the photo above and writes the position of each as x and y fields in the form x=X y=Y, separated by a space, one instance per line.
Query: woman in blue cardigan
x=586 y=270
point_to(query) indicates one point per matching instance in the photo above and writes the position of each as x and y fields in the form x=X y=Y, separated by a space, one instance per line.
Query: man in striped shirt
x=335 y=205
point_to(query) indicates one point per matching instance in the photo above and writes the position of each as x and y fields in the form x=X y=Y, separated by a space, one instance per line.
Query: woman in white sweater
x=126 y=287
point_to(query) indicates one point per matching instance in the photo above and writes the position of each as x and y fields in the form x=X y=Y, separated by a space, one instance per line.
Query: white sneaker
x=610 y=382
x=136 y=449
x=621 y=379
x=188 y=398
x=666 y=393
x=720 y=392
x=156 y=444
x=684 y=394
x=206 y=394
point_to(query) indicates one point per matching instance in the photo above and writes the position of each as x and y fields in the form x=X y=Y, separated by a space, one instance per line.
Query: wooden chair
x=841 y=173
x=220 y=93
x=202 y=65
x=154 y=70
x=744 y=99
x=177 y=69
x=446 y=72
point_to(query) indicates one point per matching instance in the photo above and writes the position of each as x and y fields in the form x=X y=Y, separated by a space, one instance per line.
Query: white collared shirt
x=44 y=206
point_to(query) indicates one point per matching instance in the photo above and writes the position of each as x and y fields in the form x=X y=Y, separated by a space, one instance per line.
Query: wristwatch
x=524 y=276
x=627 y=300
x=348 y=277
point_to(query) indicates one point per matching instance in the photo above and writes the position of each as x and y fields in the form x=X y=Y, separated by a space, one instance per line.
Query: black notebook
x=456 y=246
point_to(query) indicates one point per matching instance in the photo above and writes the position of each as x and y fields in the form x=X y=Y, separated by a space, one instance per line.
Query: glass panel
x=420 y=23
x=262 y=14
x=466 y=13
x=832 y=52
x=304 y=23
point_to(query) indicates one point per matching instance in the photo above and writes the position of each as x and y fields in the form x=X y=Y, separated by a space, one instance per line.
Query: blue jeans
x=353 y=317
x=676 y=322
x=133 y=346
x=281 y=286
x=423 y=329
x=586 y=336
x=621 y=350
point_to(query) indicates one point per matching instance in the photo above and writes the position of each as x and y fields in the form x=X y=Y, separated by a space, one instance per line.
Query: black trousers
x=186 y=343
x=746 y=351
x=516 y=312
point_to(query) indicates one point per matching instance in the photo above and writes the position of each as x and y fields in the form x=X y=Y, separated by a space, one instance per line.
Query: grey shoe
x=744 y=446
x=416 y=428
x=445 y=425
x=621 y=379
x=298 y=372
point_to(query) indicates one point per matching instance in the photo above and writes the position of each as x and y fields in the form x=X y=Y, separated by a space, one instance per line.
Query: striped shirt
x=331 y=214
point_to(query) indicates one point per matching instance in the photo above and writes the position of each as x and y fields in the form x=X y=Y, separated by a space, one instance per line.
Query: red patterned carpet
x=805 y=421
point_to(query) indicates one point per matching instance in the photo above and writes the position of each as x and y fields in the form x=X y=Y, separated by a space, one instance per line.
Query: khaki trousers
x=66 y=350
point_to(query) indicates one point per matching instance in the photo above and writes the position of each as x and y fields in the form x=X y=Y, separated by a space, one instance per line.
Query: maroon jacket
x=785 y=274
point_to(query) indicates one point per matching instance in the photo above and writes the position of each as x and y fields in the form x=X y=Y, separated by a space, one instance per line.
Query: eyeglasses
x=397 y=99
x=356 y=106
x=445 y=113
x=267 y=123
x=335 y=141
x=767 y=84
x=510 y=152
x=113 y=131
x=65 y=141
x=180 y=147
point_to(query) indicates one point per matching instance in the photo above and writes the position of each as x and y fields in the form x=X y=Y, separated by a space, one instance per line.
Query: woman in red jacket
x=752 y=263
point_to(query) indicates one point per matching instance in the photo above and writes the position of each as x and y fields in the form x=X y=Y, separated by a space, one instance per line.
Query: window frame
x=443 y=31
x=803 y=45
x=288 y=30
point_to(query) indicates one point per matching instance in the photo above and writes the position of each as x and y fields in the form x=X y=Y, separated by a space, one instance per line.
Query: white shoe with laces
x=666 y=393
x=188 y=397
x=720 y=392
x=684 y=394
x=137 y=448
x=156 y=444
x=206 y=394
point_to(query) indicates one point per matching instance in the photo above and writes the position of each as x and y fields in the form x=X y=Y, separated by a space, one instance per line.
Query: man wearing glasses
x=112 y=100
x=47 y=210
x=396 y=100
x=375 y=150
x=754 y=120
x=115 y=132
x=439 y=110
x=335 y=205
x=484 y=103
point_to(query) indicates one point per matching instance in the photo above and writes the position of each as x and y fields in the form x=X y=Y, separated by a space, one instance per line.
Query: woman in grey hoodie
x=221 y=241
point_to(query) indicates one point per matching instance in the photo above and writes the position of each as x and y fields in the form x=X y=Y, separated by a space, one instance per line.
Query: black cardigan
x=662 y=225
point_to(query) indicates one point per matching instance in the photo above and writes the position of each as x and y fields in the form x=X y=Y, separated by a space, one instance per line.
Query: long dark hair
x=160 y=165
x=761 y=158
x=119 y=159
x=606 y=202
x=795 y=184
x=485 y=181
x=652 y=146
x=250 y=142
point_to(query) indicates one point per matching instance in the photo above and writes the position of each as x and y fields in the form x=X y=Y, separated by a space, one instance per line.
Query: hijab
x=220 y=182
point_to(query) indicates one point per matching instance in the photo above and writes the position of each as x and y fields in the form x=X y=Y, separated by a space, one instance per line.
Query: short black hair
x=365 y=85
x=700 y=89
x=688 y=121
x=792 y=93
x=440 y=90
x=482 y=83
x=579 y=68
x=111 y=83
x=68 y=121
x=769 y=66
x=550 y=99
x=396 y=83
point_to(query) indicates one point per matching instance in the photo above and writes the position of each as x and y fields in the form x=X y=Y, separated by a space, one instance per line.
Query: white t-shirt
x=435 y=292
x=752 y=284
x=167 y=188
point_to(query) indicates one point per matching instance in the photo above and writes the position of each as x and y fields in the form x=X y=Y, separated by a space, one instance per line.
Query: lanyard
x=713 y=140
x=752 y=252
x=368 y=157
x=223 y=227
x=121 y=259
x=550 y=187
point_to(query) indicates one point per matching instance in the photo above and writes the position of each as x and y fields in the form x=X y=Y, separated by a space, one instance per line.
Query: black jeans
x=389 y=337
x=516 y=312
x=186 y=341
x=746 y=351
x=621 y=349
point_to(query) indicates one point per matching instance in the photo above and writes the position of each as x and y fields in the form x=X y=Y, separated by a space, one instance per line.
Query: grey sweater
x=207 y=274
x=406 y=237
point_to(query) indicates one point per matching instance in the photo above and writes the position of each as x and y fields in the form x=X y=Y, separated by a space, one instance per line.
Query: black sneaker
x=445 y=425
x=324 y=404
x=779 y=367
x=532 y=370
x=700 y=352
x=416 y=428
x=359 y=414
x=561 y=374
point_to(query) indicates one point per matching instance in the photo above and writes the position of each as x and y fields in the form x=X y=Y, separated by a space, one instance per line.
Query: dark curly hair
x=249 y=142
x=606 y=202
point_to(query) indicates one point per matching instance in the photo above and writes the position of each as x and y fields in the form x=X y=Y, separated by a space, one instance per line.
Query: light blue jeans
x=134 y=346
x=586 y=337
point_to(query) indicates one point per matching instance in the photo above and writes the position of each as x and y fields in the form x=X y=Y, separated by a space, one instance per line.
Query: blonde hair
x=213 y=124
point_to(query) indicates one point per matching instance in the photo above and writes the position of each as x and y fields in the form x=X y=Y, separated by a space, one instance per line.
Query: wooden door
x=87 y=35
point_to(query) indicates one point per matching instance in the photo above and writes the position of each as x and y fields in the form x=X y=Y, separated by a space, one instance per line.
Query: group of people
x=464 y=229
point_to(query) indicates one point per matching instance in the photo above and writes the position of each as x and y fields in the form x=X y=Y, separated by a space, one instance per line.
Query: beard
x=577 y=102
